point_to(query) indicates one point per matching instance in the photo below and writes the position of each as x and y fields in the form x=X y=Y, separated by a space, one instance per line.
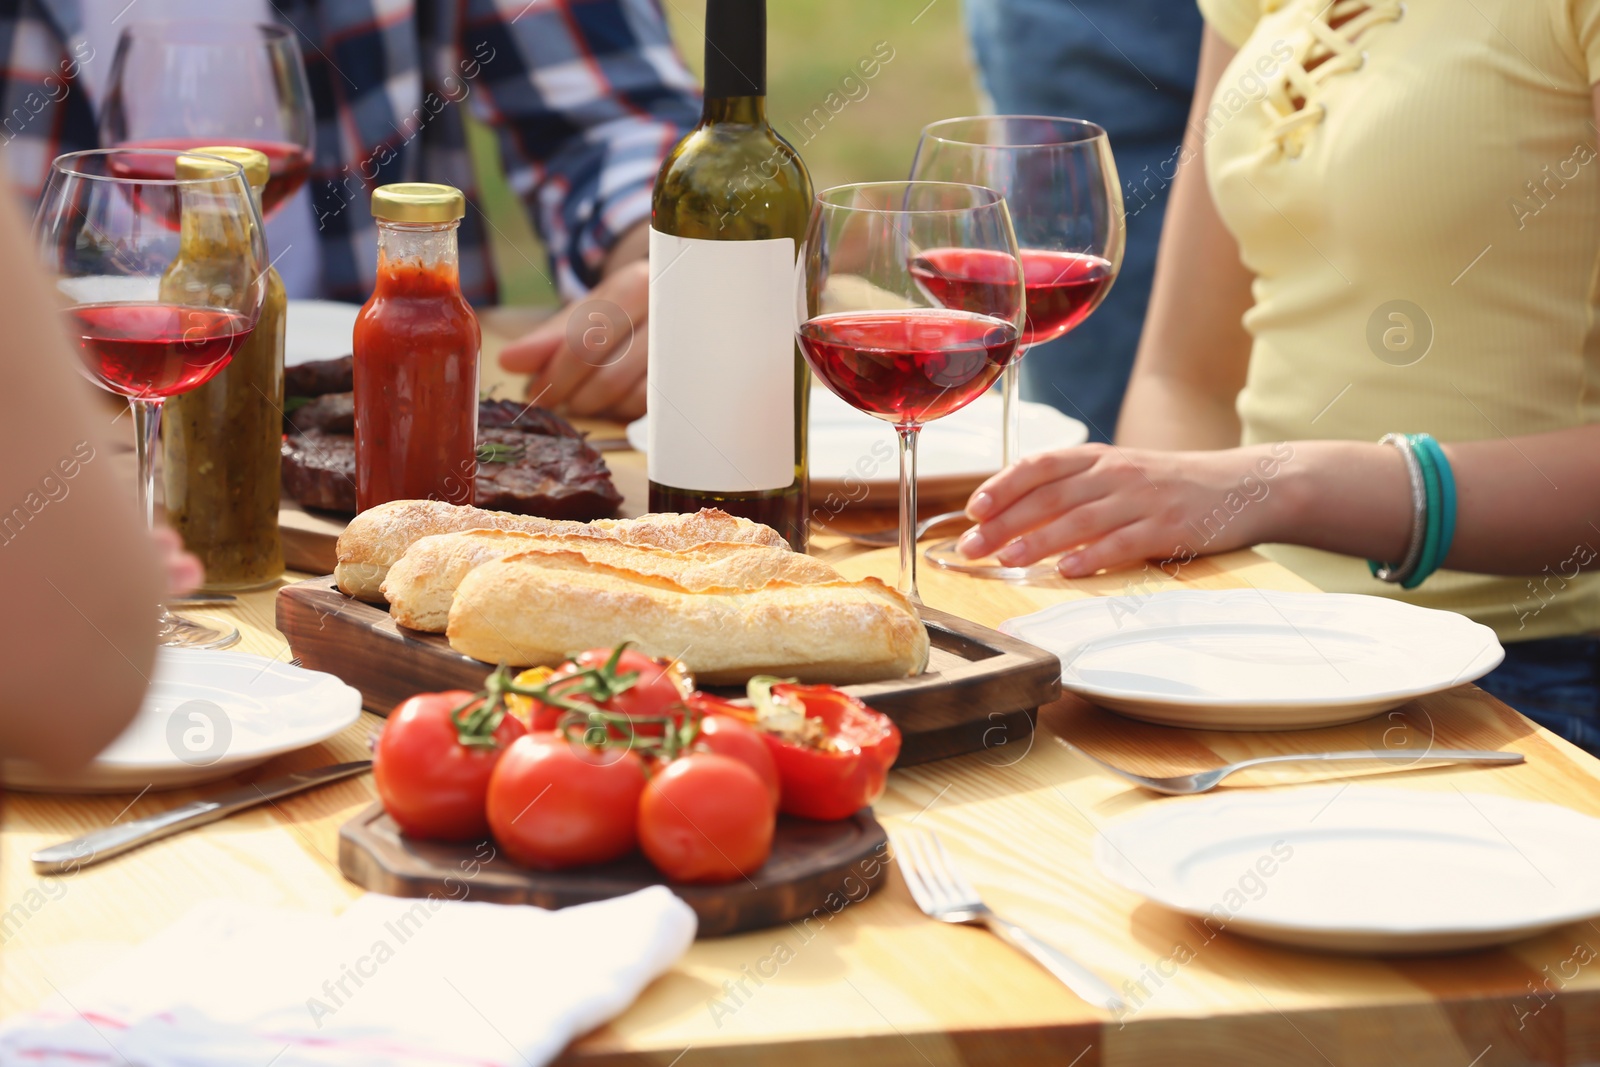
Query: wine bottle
x=728 y=387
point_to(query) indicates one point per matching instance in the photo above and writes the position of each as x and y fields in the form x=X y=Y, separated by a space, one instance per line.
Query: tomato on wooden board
x=554 y=804
x=736 y=738
x=432 y=784
x=706 y=818
x=838 y=761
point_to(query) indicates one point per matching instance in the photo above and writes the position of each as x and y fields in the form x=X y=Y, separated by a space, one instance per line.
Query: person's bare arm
x=1525 y=505
x=1194 y=351
x=80 y=574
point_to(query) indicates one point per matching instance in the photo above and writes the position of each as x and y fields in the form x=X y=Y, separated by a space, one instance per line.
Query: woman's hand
x=1107 y=507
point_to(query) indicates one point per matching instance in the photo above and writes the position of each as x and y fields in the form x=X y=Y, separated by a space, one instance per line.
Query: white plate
x=854 y=456
x=1362 y=870
x=207 y=715
x=318 y=329
x=1256 y=659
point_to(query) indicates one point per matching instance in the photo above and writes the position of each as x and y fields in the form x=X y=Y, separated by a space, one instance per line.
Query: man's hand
x=589 y=357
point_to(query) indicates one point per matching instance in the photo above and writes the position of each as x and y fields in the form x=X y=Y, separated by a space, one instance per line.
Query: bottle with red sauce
x=416 y=356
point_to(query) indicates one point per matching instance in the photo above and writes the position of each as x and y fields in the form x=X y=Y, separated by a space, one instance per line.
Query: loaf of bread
x=379 y=536
x=536 y=608
x=422 y=583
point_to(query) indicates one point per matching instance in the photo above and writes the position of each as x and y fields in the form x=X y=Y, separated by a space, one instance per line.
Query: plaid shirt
x=587 y=96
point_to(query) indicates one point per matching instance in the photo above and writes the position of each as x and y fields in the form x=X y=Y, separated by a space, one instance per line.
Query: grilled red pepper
x=833 y=752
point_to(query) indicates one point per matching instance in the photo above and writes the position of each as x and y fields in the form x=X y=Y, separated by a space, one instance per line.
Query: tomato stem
x=477 y=720
x=578 y=695
x=599 y=684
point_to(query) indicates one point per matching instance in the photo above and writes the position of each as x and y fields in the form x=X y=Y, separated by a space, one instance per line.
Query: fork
x=891 y=536
x=943 y=893
x=1183 y=785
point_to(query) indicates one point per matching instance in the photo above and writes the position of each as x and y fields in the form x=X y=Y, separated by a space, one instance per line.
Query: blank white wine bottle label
x=721 y=364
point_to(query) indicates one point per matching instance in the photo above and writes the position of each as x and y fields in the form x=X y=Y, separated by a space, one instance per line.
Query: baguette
x=537 y=608
x=422 y=583
x=379 y=536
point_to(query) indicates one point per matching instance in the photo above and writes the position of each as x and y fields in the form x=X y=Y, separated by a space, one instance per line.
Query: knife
x=196 y=599
x=69 y=856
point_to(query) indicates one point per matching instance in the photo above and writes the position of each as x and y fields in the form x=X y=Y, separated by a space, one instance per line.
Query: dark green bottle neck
x=746 y=110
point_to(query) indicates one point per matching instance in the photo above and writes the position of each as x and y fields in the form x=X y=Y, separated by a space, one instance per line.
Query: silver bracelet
x=1419 y=512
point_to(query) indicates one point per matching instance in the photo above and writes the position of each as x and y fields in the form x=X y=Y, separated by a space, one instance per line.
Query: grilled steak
x=535 y=464
x=331 y=412
x=319 y=378
x=508 y=414
x=319 y=470
x=554 y=477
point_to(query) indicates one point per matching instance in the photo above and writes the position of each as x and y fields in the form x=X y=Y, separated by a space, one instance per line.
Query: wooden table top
x=877 y=983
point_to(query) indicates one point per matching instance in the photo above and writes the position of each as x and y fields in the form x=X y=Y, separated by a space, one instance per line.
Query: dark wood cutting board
x=981 y=689
x=814 y=867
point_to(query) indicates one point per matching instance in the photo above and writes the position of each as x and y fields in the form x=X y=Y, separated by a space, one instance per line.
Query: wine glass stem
x=908 y=512
x=146 y=437
x=1011 y=411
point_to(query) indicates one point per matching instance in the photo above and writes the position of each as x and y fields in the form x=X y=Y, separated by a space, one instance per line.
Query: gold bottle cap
x=418 y=202
x=256 y=167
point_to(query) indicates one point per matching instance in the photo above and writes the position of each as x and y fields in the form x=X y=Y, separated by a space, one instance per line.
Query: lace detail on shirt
x=1325 y=47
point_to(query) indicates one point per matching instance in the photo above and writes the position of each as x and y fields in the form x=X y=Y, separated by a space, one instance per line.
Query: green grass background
x=812 y=46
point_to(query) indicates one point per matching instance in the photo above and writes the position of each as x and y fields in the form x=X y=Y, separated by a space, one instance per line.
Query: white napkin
x=389 y=983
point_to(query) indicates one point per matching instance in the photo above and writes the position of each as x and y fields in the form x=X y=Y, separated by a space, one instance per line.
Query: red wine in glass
x=1061 y=288
x=153 y=351
x=908 y=366
x=289 y=164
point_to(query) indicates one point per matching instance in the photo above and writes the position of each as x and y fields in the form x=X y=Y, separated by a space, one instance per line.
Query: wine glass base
x=178 y=631
x=944 y=556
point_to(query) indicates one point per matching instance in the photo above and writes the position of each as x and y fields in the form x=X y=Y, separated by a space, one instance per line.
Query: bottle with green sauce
x=221 y=442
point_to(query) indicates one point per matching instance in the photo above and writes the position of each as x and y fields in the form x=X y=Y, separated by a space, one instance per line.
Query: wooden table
x=876 y=983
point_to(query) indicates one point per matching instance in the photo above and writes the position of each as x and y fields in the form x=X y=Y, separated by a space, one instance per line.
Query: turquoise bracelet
x=1441 y=508
x=1428 y=561
x=1433 y=498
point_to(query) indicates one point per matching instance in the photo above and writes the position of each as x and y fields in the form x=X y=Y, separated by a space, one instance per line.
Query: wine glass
x=109 y=239
x=876 y=336
x=1060 y=183
x=186 y=84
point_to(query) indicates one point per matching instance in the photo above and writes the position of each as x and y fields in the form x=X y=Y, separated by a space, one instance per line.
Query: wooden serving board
x=813 y=866
x=981 y=689
x=310 y=538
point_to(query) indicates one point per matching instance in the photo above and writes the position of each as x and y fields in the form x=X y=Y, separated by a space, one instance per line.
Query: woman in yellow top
x=1386 y=221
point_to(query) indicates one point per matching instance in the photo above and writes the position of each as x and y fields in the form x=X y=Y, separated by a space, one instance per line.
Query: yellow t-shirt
x=1421 y=211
